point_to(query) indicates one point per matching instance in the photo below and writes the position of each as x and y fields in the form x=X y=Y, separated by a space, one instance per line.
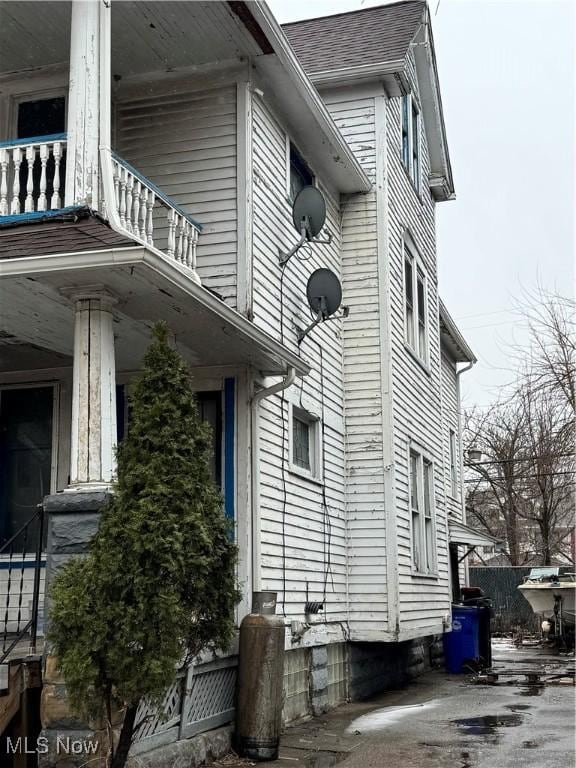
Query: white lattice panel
x=157 y=725
x=209 y=698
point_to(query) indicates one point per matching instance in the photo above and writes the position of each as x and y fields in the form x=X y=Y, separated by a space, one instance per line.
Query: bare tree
x=523 y=490
x=494 y=498
x=549 y=484
x=548 y=365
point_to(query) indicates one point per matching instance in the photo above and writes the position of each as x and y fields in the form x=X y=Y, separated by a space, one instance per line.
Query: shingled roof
x=67 y=230
x=370 y=36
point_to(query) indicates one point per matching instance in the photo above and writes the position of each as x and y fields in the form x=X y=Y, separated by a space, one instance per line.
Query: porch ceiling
x=148 y=288
x=146 y=36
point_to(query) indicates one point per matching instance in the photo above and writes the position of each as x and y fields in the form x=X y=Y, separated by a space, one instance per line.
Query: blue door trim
x=229 y=447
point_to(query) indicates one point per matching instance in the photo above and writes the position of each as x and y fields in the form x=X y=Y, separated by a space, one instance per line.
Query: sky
x=508 y=81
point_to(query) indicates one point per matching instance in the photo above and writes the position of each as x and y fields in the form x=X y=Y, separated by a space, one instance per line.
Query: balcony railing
x=32 y=173
x=146 y=212
x=32 y=176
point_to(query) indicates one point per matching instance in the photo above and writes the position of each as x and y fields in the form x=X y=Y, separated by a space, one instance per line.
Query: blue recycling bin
x=462 y=644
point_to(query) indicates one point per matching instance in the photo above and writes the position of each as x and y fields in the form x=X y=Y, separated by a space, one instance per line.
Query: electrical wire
x=519 y=477
x=283 y=454
x=326 y=511
x=518 y=460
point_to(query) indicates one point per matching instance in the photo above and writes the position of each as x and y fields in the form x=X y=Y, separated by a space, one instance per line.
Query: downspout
x=280 y=386
x=462 y=491
x=462 y=494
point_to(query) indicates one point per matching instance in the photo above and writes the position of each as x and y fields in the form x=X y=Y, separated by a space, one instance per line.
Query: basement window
x=300 y=174
x=304 y=443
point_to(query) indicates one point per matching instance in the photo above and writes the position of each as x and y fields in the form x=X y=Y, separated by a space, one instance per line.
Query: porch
x=32 y=186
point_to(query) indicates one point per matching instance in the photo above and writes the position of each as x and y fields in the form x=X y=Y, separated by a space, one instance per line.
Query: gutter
x=301 y=81
x=360 y=72
x=280 y=386
x=458 y=401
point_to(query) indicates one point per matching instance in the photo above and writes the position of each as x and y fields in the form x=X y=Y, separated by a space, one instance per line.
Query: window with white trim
x=305 y=441
x=453 y=472
x=411 y=138
x=422 y=513
x=415 y=302
x=300 y=174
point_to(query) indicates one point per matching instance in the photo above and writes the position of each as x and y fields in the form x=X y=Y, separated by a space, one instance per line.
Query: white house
x=149 y=156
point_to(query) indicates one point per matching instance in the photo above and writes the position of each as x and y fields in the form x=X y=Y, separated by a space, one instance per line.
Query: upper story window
x=415 y=301
x=300 y=174
x=411 y=138
x=422 y=513
x=453 y=466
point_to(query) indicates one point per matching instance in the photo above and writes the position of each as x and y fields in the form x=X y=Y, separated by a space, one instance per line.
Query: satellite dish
x=309 y=212
x=324 y=293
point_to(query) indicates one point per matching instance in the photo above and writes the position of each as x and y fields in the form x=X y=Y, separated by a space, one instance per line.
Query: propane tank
x=260 y=680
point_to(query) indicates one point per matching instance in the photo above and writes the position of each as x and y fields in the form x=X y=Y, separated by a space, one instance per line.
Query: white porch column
x=94 y=392
x=82 y=176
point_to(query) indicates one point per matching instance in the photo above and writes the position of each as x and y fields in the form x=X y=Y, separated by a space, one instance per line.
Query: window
x=300 y=175
x=209 y=409
x=411 y=138
x=453 y=474
x=422 y=513
x=304 y=443
x=415 y=305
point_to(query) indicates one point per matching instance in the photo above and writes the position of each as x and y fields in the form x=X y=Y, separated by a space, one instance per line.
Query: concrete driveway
x=445 y=720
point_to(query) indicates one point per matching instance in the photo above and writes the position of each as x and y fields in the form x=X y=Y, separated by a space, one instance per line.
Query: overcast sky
x=508 y=82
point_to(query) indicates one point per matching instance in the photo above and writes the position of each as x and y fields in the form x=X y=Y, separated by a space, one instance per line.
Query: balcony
x=32 y=182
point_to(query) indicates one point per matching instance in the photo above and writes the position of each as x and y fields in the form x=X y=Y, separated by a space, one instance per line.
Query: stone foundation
x=190 y=753
x=72 y=522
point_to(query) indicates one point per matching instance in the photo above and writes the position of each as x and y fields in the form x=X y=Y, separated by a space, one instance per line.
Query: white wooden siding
x=354 y=114
x=416 y=392
x=417 y=405
x=451 y=422
x=186 y=144
x=298 y=534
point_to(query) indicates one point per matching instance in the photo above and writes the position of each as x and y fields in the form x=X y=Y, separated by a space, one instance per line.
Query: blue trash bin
x=462 y=644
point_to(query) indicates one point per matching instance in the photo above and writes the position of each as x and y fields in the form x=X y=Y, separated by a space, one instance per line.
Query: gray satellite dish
x=324 y=292
x=309 y=212
x=309 y=216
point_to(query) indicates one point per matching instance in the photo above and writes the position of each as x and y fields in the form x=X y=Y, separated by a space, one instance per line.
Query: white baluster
x=193 y=242
x=17 y=162
x=30 y=157
x=186 y=227
x=180 y=250
x=116 y=177
x=57 y=154
x=136 y=207
x=143 y=201
x=129 y=188
x=4 y=159
x=171 y=232
x=150 y=218
x=122 y=207
x=43 y=161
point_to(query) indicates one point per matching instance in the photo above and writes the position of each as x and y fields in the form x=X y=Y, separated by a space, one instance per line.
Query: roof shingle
x=64 y=231
x=370 y=36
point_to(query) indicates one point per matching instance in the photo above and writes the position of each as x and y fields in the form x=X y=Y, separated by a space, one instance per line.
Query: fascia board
x=301 y=82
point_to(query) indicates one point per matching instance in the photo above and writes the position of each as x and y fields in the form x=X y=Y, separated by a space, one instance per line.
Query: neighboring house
x=149 y=157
